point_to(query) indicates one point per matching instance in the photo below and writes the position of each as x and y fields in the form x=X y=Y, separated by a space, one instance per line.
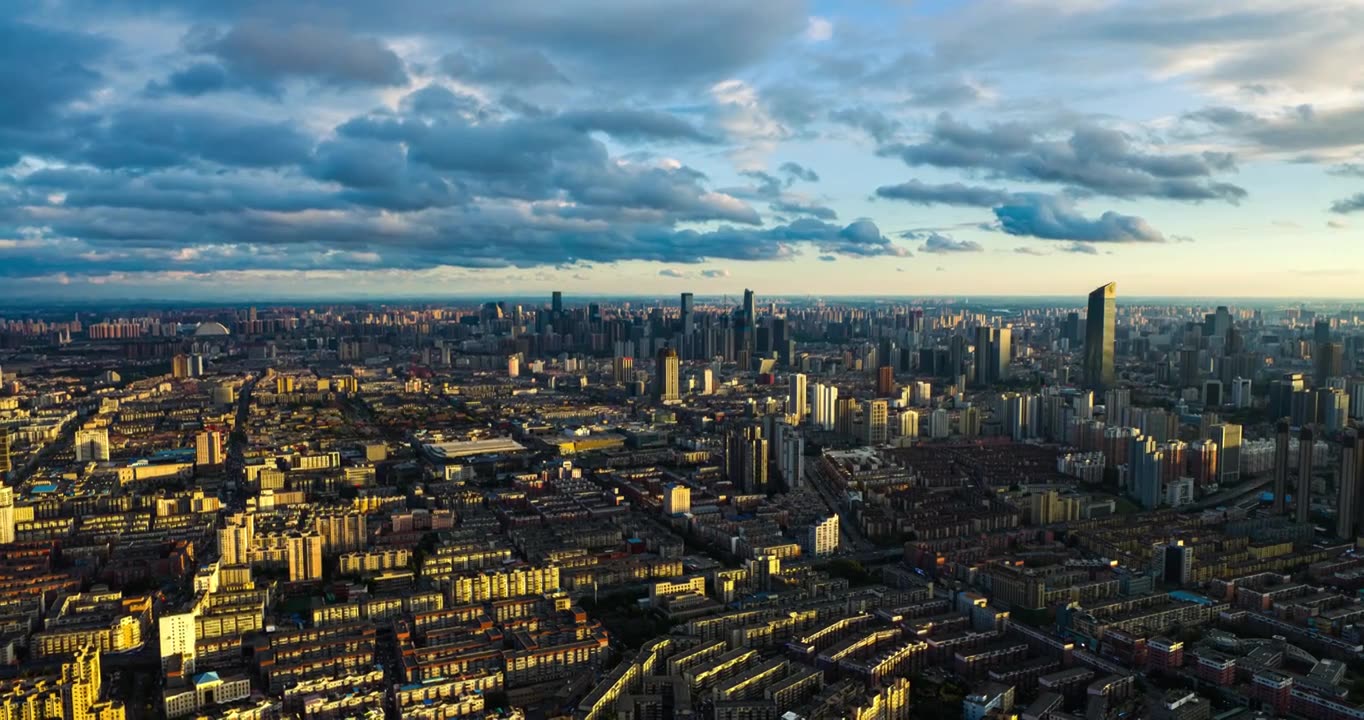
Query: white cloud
x=818 y=29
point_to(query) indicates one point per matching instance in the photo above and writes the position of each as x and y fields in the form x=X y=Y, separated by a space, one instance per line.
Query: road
x=236 y=448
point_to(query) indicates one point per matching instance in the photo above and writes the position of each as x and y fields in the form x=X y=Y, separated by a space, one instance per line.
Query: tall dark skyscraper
x=556 y=302
x=666 y=378
x=1281 y=437
x=688 y=319
x=1348 y=487
x=746 y=458
x=749 y=316
x=1100 y=335
x=1303 y=495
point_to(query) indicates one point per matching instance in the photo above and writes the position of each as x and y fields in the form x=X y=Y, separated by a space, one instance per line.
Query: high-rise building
x=622 y=369
x=666 y=370
x=92 y=445
x=688 y=316
x=1144 y=464
x=1241 y=396
x=821 y=538
x=1303 y=495
x=1281 y=394
x=1281 y=442
x=305 y=557
x=1228 y=439
x=1333 y=408
x=1100 y=336
x=795 y=397
x=875 y=418
x=994 y=347
x=81 y=684
x=1329 y=360
x=556 y=302
x=6 y=515
x=5 y=465
x=208 y=448
x=676 y=499
x=1348 y=487
x=824 y=406
x=746 y=459
x=908 y=425
x=885 y=381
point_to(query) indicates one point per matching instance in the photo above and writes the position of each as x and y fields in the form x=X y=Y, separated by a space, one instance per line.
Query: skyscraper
x=1303 y=494
x=1348 y=487
x=1100 y=334
x=1228 y=439
x=5 y=465
x=6 y=515
x=666 y=376
x=688 y=319
x=795 y=397
x=1281 y=438
x=1329 y=358
x=746 y=459
x=875 y=421
x=885 y=381
x=556 y=302
x=824 y=412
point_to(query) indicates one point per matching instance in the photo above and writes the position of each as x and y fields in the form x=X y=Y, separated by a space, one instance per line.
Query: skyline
x=230 y=151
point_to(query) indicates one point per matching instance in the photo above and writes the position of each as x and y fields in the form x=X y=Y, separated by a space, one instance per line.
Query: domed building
x=211 y=329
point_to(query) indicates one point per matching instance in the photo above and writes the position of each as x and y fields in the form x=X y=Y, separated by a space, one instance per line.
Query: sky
x=252 y=149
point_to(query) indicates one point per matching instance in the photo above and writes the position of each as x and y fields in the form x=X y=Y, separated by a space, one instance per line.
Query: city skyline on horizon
x=222 y=151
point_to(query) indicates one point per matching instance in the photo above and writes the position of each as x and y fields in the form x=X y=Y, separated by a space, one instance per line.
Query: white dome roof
x=211 y=328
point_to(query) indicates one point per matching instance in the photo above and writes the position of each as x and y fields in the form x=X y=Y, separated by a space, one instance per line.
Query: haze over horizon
x=246 y=150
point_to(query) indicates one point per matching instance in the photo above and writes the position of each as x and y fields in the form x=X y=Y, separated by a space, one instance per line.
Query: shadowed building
x=1099 y=337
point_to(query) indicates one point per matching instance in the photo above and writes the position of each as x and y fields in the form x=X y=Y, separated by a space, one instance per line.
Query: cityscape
x=681 y=360
x=698 y=507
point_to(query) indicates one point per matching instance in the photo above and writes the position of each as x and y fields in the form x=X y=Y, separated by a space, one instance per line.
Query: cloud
x=873 y=122
x=939 y=244
x=1336 y=225
x=262 y=54
x=715 y=273
x=192 y=81
x=1080 y=248
x=827 y=258
x=1025 y=250
x=1302 y=128
x=818 y=29
x=1351 y=204
x=515 y=68
x=1092 y=159
x=740 y=115
x=44 y=70
x=671 y=273
x=796 y=171
x=1054 y=218
x=921 y=193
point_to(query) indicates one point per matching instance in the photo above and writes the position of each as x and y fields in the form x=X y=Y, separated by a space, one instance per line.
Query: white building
x=821 y=538
x=92 y=445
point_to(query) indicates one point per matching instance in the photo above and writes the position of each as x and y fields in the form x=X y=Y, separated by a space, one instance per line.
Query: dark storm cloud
x=1055 y=218
x=1092 y=159
x=262 y=54
x=920 y=193
x=153 y=137
x=42 y=69
x=939 y=244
